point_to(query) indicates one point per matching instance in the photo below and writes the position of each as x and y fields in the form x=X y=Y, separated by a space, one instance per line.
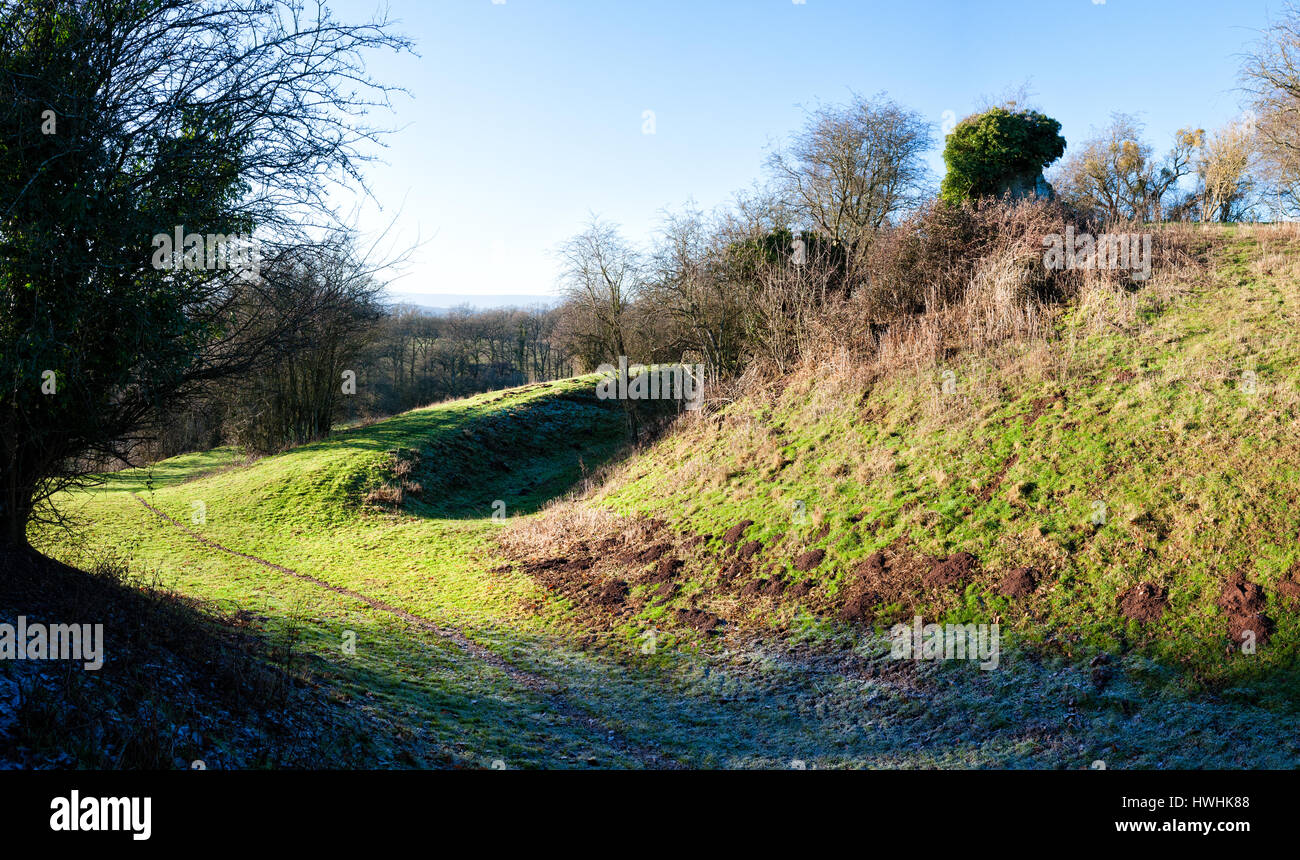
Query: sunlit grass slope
x=307 y=510
x=1151 y=439
x=1172 y=406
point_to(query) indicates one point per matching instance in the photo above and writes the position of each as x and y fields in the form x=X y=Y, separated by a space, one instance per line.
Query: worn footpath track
x=651 y=758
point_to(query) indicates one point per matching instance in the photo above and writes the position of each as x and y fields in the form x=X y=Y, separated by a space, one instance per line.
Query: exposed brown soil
x=1018 y=582
x=1289 y=589
x=1144 y=602
x=612 y=594
x=699 y=619
x=563 y=564
x=858 y=607
x=652 y=552
x=809 y=560
x=1037 y=407
x=597 y=572
x=986 y=492
x=610 y=578
x=1243 y=602
x=578 y=579
x=737 y=531
x=801 y=588
x=730 y=572
x=884 y=577
x=1040 y=405
x=957 y=569
x=666 y=591
x=665 y=570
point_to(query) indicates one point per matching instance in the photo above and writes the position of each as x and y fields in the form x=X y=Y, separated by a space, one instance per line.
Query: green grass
x=1140 y=407
x=304 y=510
x=1148 y=417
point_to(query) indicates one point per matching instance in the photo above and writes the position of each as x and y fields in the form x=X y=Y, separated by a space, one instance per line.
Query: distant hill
x=441 y=302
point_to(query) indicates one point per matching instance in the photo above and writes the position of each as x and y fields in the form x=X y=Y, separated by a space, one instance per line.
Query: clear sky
x=527 y=115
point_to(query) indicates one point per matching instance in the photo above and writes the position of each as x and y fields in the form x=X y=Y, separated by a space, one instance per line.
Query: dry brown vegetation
x=986 y=305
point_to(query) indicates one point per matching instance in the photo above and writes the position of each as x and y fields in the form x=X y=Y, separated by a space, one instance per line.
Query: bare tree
x=130 y=119
x=853 y=168
x=1271 y=77
x=786 y=300
x=330 y=296
x=602 y=276
x=1115 y=175
x=689 y=284
x=1224 y=170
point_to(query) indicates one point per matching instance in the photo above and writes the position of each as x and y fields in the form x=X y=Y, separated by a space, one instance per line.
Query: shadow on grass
x=513 y=460
x=176 y=685
x=185 y=680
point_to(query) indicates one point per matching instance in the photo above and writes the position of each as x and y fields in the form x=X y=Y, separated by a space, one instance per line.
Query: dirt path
x=651 y=758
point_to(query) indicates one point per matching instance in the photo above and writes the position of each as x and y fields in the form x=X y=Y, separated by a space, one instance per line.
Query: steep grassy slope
x=323 y=506
x=1142 y=465
x=306 y=511
x=716 y=598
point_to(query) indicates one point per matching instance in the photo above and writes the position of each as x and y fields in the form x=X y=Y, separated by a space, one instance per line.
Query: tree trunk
x=15 y=511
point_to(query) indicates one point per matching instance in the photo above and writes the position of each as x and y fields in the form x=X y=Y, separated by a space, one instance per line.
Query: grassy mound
x=1128 y=481
x=1117 y=491
x=322 y=510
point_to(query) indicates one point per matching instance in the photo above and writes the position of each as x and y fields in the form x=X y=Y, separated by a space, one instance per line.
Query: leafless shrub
x=853 y=168
x=385 y=496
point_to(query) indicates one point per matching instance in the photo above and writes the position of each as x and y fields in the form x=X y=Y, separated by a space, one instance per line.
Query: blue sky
x=527 y=115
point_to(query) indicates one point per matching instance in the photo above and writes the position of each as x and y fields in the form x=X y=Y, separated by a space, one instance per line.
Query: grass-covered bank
x=1147 y=441
x=717 y=598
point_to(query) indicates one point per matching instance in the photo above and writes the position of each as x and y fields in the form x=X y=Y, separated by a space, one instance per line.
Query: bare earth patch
x=1144 y=602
